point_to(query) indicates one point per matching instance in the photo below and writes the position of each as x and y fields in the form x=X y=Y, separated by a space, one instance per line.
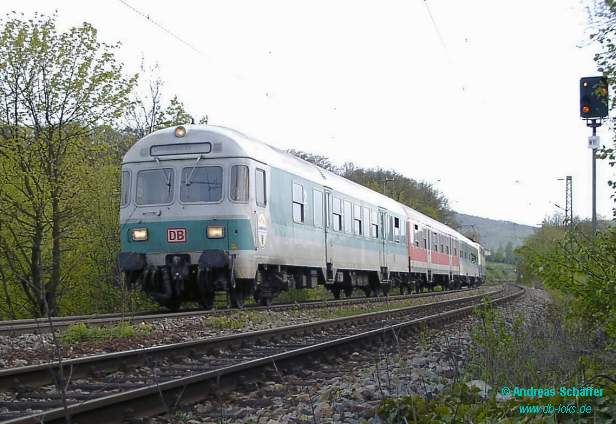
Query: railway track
x=146 y=382
x=43 y=325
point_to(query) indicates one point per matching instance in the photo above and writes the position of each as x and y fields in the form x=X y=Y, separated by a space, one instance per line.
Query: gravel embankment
x=349 y=389
x=30 y=349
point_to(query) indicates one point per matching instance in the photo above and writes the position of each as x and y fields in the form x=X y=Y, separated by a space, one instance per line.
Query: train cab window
x=337 y=214
x=201 y=184
x=317 y=201
x=125 y=188
x=366 y=222
x=154 y=186
x=238 y=189
x=347 y=217
x=260 y=187
x=397 y=230
x=374 y=229
x=357 y=222
x=298 y=203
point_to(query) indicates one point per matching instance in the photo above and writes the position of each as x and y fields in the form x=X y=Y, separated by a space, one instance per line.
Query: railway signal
x=593 y=97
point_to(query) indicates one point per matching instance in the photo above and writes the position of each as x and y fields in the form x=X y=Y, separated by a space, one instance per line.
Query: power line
x=168 y=31
x=436 y=29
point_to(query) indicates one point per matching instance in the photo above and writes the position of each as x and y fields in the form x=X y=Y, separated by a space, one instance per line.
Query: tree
x=147 y=113
x=55 y=89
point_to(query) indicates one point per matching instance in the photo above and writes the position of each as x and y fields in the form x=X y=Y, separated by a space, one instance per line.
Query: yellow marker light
x=139 y=234
x=215 y=232
x=586 y=109
x=180 y=131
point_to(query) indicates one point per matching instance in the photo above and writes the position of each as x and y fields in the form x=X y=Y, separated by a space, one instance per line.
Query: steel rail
x=153 y=400
x=42 y=325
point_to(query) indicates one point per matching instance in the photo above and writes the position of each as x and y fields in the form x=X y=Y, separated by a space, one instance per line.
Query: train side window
x=397 y=232
x=347 y=217
x=125 y=188
x=447 y=249
x=298 y=203
x=337 y=213
x=374 y=219
x=442 y=248
x=366 y=228
x=390 y=228
x=260 y=187
x=455 y=253
x=435 y=241
x=357 y=221
x=238 y=189
x=317 y=201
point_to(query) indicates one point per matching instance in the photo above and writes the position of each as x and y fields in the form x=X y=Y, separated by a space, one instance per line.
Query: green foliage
x=461 y=404
x=500 y=272
x=518 y=352
x=580 y=266
x=55 y=89
x=81 y=332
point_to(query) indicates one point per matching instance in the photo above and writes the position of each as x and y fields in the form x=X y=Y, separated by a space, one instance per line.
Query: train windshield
x=154 y=186
x=201 y=184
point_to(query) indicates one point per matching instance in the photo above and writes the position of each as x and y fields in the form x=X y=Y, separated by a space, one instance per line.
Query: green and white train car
x=206 y=208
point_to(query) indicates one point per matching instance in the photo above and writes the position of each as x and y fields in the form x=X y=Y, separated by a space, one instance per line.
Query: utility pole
x=593 y=143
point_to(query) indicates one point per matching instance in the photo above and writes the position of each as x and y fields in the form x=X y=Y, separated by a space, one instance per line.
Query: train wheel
x=237 y=298
x=336 y=292
x=173 y=305
x=367 y=291
x=348 y=292
x=265 y=301
x=207 y=301
x=386 y=290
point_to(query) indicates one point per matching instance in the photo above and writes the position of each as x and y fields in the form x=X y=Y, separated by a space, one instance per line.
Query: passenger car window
x=357 y=222
x=154 y=186
x=125 y=188
x=239 y=183
x=347 y=217
x=298 y=203
x=317 y=201
x=260 y=187
x=337 y=213
x=201 y=184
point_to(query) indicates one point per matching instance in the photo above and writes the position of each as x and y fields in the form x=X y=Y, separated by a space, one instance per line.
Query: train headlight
x=215 y=232
x=139 y=234
x=180 y=131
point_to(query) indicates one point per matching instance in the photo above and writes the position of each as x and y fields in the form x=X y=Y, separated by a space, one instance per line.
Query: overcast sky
x=478 y=97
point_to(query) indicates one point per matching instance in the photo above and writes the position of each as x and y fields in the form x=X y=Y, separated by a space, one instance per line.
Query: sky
x=480 y=98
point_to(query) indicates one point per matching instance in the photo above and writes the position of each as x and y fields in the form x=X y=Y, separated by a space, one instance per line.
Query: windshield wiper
x=167 y=178
x=192 y=171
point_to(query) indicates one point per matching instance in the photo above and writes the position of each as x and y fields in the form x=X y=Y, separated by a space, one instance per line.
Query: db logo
x=176 y=235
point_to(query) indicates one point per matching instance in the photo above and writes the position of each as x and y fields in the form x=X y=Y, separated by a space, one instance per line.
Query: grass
x=81 y=332
x=234 y=321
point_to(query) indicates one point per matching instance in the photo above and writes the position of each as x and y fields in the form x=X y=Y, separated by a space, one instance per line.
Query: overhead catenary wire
x=162 y=27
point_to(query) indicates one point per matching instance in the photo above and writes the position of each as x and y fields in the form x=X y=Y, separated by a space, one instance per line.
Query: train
x=205 y=209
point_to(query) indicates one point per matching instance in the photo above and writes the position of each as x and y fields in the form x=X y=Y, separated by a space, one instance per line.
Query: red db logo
x=176 y=235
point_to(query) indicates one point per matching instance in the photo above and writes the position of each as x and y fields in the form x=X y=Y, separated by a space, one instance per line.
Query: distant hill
x=493 y=233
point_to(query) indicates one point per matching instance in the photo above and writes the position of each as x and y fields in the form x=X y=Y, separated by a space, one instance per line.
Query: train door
x=382 y=238
x=327 y=227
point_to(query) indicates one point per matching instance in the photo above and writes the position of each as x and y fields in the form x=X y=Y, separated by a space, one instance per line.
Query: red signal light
x=586 y=109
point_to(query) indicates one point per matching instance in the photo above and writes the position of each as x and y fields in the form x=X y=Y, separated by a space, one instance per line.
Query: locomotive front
x=186 y=216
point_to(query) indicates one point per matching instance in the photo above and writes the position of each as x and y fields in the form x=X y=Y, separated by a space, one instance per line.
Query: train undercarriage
x=180 y=281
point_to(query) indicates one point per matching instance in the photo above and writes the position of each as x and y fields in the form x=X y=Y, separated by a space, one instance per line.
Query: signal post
x=594 y=108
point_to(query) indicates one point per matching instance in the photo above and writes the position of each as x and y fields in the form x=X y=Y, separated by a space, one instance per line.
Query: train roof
x=231 y=143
